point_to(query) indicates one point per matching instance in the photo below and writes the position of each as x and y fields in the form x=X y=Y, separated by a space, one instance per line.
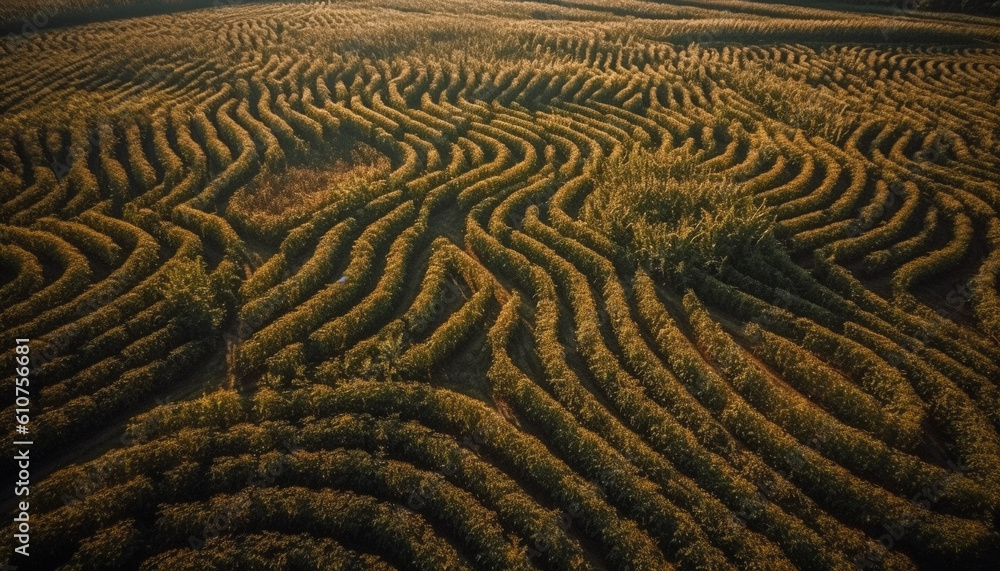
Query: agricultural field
x=490 y=285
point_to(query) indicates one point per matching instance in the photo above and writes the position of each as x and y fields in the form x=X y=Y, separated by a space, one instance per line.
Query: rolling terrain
x=506 y=285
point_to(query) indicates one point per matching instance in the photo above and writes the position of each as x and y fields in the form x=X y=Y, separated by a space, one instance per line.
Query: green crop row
x=300 y=322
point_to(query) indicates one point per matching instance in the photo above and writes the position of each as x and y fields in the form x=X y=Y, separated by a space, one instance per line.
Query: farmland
x=505 y=285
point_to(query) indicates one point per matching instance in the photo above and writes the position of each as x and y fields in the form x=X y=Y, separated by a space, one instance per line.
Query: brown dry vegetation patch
x=272 y=204
x=304 y=188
